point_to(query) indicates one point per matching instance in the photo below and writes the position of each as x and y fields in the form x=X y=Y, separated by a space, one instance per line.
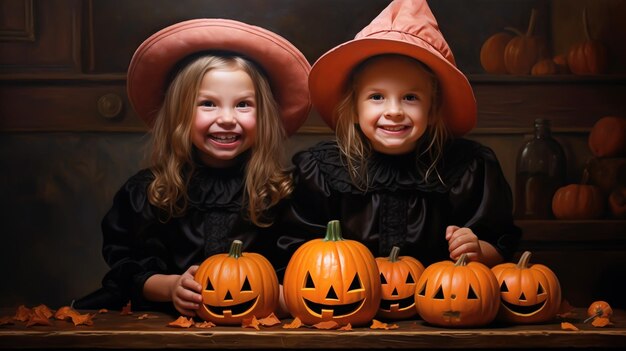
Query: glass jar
x=540 y=171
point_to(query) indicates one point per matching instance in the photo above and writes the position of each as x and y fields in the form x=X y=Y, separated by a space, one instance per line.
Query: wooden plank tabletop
x=113 y=330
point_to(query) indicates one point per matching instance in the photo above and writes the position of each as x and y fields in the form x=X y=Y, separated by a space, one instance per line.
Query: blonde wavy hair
x=356 y=148
x=172 y=163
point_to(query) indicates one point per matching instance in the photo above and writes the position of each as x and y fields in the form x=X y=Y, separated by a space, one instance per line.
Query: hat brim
x=286 y=67
x=329 y=75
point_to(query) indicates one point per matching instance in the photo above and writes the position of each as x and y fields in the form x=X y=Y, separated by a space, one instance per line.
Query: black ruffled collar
x=390 y=172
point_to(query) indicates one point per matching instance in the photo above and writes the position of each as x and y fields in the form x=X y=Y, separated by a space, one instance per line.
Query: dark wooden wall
x=69 y=139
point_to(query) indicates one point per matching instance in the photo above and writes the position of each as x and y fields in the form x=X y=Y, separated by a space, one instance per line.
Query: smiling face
x=225 y=116
x=393 y=101
x=398 y=278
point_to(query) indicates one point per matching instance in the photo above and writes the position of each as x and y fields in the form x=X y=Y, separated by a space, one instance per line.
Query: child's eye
x=376 y=97
x=207 y=103
x=243 y=104
x=410 y=97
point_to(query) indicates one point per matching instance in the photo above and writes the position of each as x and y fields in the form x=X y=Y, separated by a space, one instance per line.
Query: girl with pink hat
x=399 y=173
x=220 y=97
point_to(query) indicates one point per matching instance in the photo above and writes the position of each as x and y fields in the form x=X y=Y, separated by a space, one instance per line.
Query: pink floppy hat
x=286 y=67
x=405 y=27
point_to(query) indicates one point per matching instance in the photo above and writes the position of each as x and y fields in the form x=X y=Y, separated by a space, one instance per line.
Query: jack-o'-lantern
x=461 y=294
x=398 y=279
x=236 y=285
x=332 y=279
x=528 y=293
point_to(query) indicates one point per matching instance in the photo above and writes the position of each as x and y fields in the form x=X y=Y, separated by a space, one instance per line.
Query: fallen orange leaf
x=44 y=310
x=38 y=317
x=326 y=325
x=181 y=322
x=601 y=322
x=204 y=325
x=65 y=312
x=568 y=326
x=82 y=319
x=22 y=314
x=269 y=320
x=346 y=327
x=6 y=320
x=295 y=324
x=250 y=322
x=103 y=310
x=380 y=325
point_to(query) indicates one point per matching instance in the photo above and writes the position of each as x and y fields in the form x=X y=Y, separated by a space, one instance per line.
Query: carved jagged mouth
x=234 y=310
x=524 y=310
x=337 y=310
x=405 y=303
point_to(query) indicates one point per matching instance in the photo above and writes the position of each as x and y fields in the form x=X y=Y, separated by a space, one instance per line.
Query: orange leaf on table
x=269 y=320
x=250 y=322
x=38 y=317
x=204 y=325
x=295 y=324
x=326 y=325
x=44 y=310
x=23 y=313
x=103 y=310
x=181 y=322
x=6 y=320
x=568 y=326
x=601 y=322
x=65 y=312
x=380 y=325
x=82 y=319
x=126 y=310
x=346 y=327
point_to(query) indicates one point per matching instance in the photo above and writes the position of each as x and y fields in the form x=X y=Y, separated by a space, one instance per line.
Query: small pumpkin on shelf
x=544 y=67
x=588 y=56
x=579 y=201
x=492 y=53
x=524 y=50
x=608 y=137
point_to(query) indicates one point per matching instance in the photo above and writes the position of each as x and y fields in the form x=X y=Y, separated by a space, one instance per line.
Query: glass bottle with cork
x=540 y=171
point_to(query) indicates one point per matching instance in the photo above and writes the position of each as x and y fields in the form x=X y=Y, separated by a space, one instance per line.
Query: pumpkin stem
x=531 y=22
x=393 y=256
x=333 y=231
x=586 y=25
x=235 y=249
x=462 y=261
x=585 y=178
x=523 y=261
x=514 y=30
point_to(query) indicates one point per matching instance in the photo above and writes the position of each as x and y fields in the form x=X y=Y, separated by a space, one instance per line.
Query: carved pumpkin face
x=236 y=285
x=332 y=279
x=529 y=294
x=457 y=294
x=398 y=279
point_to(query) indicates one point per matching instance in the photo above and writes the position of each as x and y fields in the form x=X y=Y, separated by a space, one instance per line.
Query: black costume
x=399 y=208
x=140 y=241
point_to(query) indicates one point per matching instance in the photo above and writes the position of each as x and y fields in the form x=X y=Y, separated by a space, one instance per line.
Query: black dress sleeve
x=481 y=200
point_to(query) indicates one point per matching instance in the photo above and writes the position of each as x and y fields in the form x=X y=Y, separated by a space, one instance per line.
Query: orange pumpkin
x=524 y=50
x=332 y=279
x=398 y=278
x=457 y=294
x=600 y=309
x=588 y=56
x=528 y=293
x=236 y=285
x=608 y=137
x=492 y=53
x=543 y=67
x=578 y=201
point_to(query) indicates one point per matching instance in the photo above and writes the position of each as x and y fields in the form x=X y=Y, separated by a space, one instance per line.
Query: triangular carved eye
x=382 y=279
x=471 y=294
x=503 y=287
x=228 y=296
x=438 y=294
x=356 y=283
x=422 y=291
x=409 y=279
x=309 y=282
x=540 y=289
x=332 y=295
x=209 y=286
x=246 y=285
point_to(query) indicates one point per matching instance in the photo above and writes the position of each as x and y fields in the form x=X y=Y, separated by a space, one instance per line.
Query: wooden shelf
x=569 y=234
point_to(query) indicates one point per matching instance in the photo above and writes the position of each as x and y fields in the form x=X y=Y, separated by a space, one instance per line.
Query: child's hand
x=463 y=240
x=186 y=293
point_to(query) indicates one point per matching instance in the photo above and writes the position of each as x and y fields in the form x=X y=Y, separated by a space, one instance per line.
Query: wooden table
x=112 y=330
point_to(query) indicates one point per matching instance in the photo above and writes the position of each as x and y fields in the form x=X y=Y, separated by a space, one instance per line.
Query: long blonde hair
x=266 y=181
x=356 y=148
